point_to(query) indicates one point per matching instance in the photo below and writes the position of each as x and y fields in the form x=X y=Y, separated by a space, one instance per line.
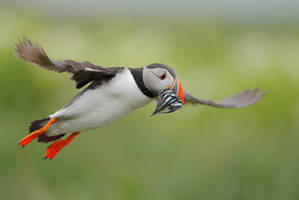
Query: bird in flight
x=110 y=94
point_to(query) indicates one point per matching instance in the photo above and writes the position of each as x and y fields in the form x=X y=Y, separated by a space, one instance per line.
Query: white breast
x=101 y=106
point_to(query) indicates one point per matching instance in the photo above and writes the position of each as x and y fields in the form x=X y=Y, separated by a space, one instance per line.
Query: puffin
x=109 y=94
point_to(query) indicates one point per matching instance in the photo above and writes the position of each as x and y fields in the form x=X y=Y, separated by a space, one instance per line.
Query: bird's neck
x=137 y=74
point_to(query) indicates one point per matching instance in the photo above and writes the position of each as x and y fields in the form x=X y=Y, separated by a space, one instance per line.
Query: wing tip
x=32 y=52
x=256 y=96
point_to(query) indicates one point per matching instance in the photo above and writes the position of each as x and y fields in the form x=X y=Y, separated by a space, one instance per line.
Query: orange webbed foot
x=23 y=142
x=55 y=147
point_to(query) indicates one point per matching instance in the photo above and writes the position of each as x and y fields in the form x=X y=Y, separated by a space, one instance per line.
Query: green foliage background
x=195 y=153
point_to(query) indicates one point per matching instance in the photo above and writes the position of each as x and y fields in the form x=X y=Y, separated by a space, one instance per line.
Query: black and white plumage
x=110 y=94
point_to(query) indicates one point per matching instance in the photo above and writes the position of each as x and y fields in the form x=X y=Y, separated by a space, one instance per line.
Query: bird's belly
x=92 y=117
x=98 y=116
x=99 y=107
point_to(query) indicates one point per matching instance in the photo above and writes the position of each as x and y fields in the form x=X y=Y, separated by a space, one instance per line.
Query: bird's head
x=158 y=77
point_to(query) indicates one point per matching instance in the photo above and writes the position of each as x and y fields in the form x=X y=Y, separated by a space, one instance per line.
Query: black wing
x=240 y=100
x=83 y=72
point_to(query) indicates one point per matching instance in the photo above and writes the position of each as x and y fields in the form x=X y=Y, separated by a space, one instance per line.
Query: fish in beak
x=171 y=99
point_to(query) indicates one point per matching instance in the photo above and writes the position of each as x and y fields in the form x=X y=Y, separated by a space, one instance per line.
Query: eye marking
x=163 y=76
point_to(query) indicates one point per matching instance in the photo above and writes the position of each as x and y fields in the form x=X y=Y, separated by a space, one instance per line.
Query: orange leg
x=23 y=142
x=55 y=147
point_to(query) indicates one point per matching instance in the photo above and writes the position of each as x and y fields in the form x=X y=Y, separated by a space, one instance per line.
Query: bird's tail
x=38 y=124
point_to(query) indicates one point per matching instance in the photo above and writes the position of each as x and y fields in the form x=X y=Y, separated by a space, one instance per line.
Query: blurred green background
x=195 y=153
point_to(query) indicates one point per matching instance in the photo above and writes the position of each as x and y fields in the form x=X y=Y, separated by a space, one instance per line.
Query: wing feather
x=240 y=100
x=83 y=72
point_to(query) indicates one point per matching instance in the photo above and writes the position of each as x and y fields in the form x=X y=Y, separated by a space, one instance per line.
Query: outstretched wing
x=240 y=100
x=83 y=72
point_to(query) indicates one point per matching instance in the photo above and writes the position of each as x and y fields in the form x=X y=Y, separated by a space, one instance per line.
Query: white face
x=156 y=79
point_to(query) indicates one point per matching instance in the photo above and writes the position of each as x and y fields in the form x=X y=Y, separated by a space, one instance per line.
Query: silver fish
x=167 y=102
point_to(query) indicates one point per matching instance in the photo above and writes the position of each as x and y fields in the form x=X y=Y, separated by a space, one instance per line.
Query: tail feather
x=37 y=124
x=44 y=138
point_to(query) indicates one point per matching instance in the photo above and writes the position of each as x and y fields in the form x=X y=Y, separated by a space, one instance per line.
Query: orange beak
x=177 y=88
x=180 y=92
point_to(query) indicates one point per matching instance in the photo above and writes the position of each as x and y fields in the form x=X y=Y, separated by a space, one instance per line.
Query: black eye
x=163 y=76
